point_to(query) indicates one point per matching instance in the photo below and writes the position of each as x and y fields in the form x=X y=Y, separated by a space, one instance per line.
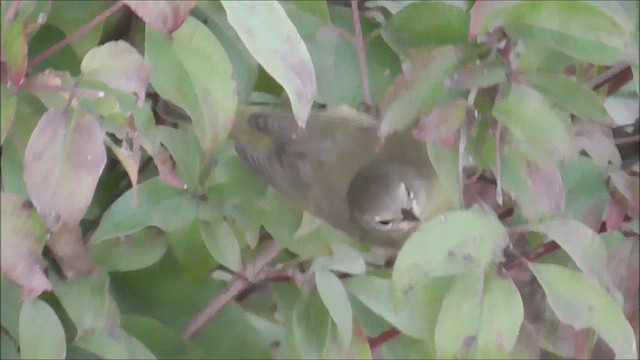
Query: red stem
x=361 y=53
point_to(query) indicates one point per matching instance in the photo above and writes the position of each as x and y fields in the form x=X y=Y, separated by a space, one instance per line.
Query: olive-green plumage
x=332 y=168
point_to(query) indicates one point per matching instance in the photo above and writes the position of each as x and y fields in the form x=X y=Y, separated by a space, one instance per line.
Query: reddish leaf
x=442 y=124
x=546 y=184
x=70 y=252
x=165 y=16
x=615 y=215
x=120 y=66
x=14 y=52
x=482 y=14
x=21 y=243
x=597 y=141
x=167 y=169
x=478 y=76
x=629 y=187
x=62 y=163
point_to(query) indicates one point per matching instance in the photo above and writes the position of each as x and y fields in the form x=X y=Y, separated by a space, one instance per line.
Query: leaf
x=442 y=124
x=86 y=301
x=245 y=67
x=335 y=299
x=597 y=141
x=118 y=65
x=406 y=29
x=14 y=52
x=502 y=317
x=160 y=205
x=580 y=303
x=273 y=40
x=459 y=319
x=10 y=305
x=222 y=243
x=114 y=343
x=407 y=314
x=165 y=16
x=583 y=245
x=417 y=92
x=67 y=245
x=311 y=325
x=629 y=187
x=162 y=340
x=484 y=16
x=452 y=243
x=41 y=333
x=183 y=146
x=538 y=188
x=584 y=185
x=573 y=96
x=539 y=130
x=130 y=161
x=580 y=30
x=193 y=71
x=335 y=59
x=62 y=164
x=9 y=105
x=167 y=169
x=479 y=75
x=22 y=241
x=129 y=252
x=445 y=162
x=69 y=16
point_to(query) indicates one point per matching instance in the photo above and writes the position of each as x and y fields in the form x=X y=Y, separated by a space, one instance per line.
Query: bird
x=335 y=169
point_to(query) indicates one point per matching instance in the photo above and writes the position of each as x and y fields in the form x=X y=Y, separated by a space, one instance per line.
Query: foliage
x=129 y=234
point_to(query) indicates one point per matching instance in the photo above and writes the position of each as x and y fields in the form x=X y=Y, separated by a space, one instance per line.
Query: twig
x=617 y=75
x=76 y=35
x=543 y=250
x=628 y=140
x=364 y=74
x=234 y=288
x=383 y=338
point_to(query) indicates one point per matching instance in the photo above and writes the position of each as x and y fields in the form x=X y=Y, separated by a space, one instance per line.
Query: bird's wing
x=312 y=167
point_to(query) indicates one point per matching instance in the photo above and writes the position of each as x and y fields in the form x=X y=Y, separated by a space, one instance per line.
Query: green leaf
x=418 y=92
x=194 y=72
x=8 y=347
x=158 y=205
x=120 y=66
x=62 y=164
x=311 y=325
x=336 y=59
x=502 y=316
x=335 y=299
x=445 y=163
x=574 y=97
x=273 y=40
x=160 y=339
x=23 y=235
x=583 y=245
x=86 y=301
x=584 y=184
x=408 y=314
x=539 y=130
x=129 y=252
x=113 y=343
x=580 y=303
x=538 y=188
x=14 y=52
x=9 y=101
x=579 y=29
x=222 y=243
x=69 y=16
x=183 y=146
x=41 y=333
x=459 y=319
x=10 y=304
x=407 y=29
x=452 y=243
x=245 y=67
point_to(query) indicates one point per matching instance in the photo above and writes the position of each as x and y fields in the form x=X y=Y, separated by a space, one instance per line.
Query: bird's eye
x=384 y=222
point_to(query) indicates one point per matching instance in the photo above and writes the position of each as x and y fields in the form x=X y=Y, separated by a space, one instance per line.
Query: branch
x=234 y=288
x=76 y=35
x=383 y=338
x=362 y=55
x=616 y=76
